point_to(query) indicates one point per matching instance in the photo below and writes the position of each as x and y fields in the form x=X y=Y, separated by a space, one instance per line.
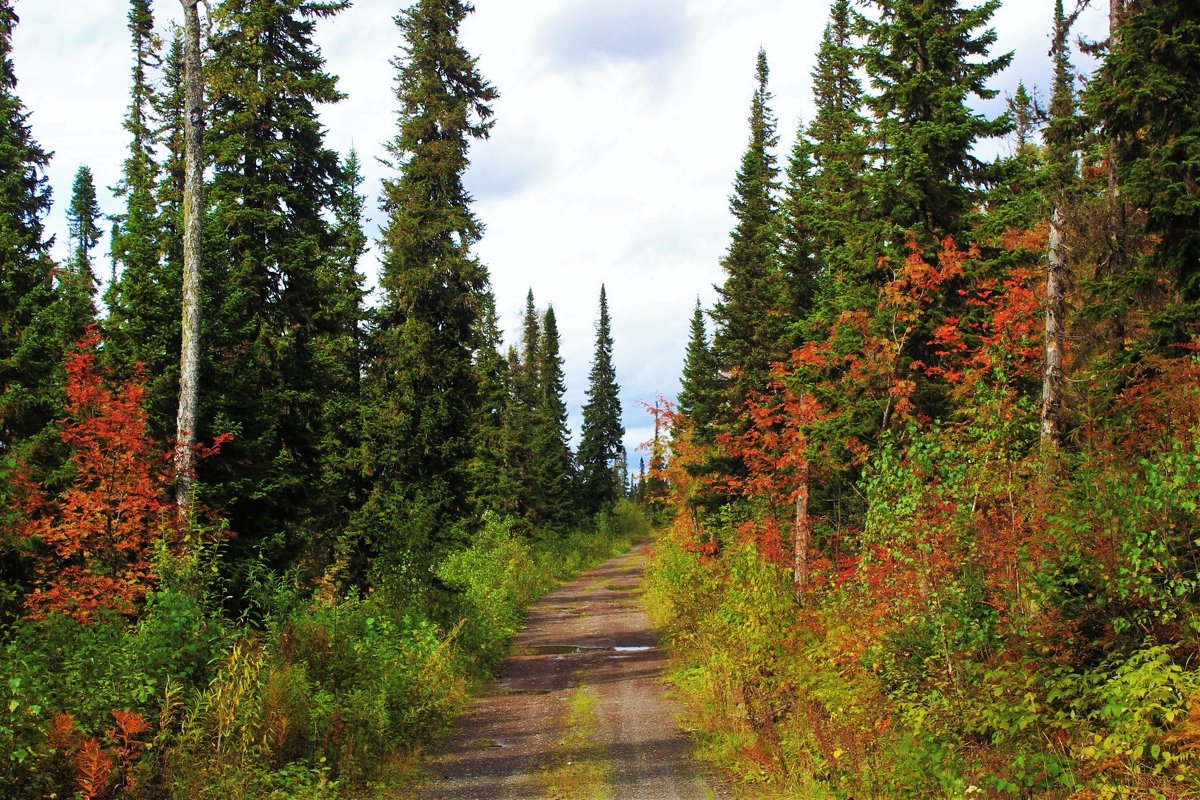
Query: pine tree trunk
x=801 y=534
x=193 y=188
x=1052 y=382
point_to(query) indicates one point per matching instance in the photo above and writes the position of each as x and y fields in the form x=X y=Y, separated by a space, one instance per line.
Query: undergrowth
x=984 y=635
x=319 y=698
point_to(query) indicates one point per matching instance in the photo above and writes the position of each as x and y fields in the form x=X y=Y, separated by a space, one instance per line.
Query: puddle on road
x=505 y=691
x=575 y=649
x=484 y=744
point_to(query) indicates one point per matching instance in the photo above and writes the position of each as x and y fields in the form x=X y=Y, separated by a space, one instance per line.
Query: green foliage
x=495 y=579
x=1134 y=565
x=1147 y=102
x=144 y=305
x=283 y=294
x=421 y=386
x=698 y=391
x=749 y=333
x=552 y=467
x=601 y=447
x=31 y=336
x=926 y=60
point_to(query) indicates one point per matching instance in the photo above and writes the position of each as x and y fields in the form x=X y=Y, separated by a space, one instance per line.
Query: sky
x=619 y=130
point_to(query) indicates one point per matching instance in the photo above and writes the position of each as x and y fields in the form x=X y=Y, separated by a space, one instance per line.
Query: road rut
x=578 y=710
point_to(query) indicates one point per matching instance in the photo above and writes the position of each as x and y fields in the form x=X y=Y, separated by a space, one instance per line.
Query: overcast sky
x=620 y=126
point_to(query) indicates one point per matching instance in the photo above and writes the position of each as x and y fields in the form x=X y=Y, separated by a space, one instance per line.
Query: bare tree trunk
x=1064 y=168
x=1052 y=380
x=193 y=209
x=801 y=535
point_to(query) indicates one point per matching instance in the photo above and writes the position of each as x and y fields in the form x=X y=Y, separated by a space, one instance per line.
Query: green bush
x=495 y=579
x=299 y=697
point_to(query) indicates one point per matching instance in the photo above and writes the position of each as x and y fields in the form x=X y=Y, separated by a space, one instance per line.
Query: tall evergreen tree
x=837 y=143
x=528 y=380
x=495 y=480
x=750 y=326
x=926 y=62
x=552 y=469
x=797 y=239
x=424 y=389
x=1148 y=101
x=83 y=223
x=271 y=284
x=698 y=390
x=143 y=322
x=29 y=348
x=601 y=445
x=338 y=352
x=171 y=104
x=77 y=283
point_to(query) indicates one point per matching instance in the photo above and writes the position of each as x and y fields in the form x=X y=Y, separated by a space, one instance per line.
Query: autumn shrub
x=91 y=543
x=60 y=667
x=987 y=633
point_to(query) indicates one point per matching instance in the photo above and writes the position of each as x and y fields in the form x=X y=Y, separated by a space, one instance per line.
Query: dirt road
x=577 y=712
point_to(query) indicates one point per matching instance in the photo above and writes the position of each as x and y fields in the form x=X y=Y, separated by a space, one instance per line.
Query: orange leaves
x=130 y=725
x=95 y=770
x=1162 y=398
x=101 y=769
x=774 y=447
x=92 y=542
x=1032 y=240
x=919 y=284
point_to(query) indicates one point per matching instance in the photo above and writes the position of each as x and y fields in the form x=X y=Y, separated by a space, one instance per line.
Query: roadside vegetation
x=935 y=476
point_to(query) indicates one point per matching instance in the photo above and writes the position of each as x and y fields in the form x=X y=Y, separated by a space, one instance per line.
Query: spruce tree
x=797 y=239
x=30 y=350
x=495 y=481
x=698 y=391
x=1147 y=98
x=601 y=445
x=750 y=328
x=170 y=104
x=837 y=144
x=75 y=306
x=338 y=353
x=529 y=387
x=552 y=470
x=271 y=286
x=424 y=387
x=143 y=322
x=927 y=60
x=83 y=223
